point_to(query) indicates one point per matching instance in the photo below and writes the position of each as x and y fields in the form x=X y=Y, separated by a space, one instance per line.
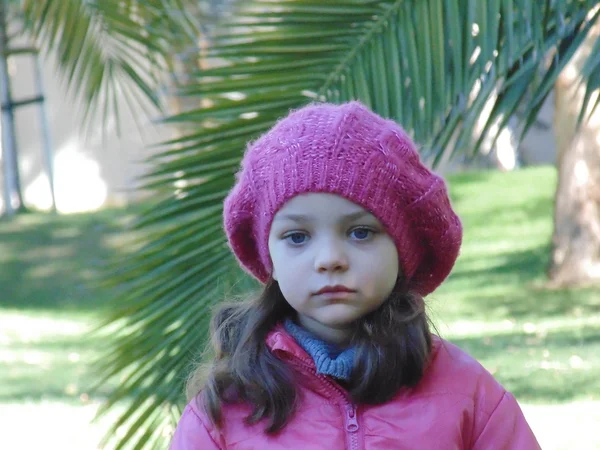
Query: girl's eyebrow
x=307 y=218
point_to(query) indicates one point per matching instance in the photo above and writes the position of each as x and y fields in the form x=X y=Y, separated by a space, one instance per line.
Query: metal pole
x=45 y=129
x=8 y=125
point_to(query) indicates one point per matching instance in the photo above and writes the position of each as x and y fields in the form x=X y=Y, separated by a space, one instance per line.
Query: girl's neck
x=338 y=336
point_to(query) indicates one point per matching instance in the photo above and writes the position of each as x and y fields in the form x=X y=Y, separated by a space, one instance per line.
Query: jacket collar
x=284 y=346
x=281 y=343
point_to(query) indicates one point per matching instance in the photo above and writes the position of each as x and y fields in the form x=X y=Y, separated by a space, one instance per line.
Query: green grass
x=51 y=262
x=542 y=344
x=50 y=299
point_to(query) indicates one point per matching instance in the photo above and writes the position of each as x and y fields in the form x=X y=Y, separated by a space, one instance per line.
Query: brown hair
x=392 y=344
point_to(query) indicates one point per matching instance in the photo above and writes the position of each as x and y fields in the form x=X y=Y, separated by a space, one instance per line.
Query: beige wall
x=89 y=172
x=539 y=146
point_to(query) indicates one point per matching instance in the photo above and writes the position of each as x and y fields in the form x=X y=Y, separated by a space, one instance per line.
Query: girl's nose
x=331 y=257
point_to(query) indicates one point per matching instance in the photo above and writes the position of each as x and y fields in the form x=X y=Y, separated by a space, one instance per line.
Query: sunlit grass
x=45 y=357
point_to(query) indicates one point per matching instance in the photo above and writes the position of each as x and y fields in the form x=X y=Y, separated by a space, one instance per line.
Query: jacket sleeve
x=191 y=433
x=506 y=429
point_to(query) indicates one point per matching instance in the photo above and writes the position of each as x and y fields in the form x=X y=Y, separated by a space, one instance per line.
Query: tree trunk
x=575 y=258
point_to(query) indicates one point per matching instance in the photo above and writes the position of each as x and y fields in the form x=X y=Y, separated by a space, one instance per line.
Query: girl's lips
x=338 y=289
x=339 y=295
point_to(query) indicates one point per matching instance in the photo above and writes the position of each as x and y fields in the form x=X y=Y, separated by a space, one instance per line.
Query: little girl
x=335 y=214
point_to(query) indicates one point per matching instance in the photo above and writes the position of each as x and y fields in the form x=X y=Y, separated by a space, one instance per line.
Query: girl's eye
x=296 y=238
x=361 y=234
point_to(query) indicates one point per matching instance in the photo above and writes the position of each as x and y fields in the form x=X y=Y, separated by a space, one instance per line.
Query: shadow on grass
x=542 y=368
x=482 y=289
x=54 y=262
x=514 y=266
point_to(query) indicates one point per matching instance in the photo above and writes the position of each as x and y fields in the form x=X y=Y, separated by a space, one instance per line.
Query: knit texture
x=328 y=358
x=350 y=151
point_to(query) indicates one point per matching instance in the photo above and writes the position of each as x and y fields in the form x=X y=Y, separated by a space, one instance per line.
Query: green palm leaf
x=591 y=76
x=108 y=50
x=430 y=64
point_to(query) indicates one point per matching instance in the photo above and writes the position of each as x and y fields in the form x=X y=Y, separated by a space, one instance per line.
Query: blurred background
x=123 y=123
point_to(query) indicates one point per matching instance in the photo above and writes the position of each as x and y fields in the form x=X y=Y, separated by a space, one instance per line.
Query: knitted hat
x=350 y=151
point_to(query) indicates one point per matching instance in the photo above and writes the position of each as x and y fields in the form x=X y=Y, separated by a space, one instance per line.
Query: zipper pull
x=351 y=422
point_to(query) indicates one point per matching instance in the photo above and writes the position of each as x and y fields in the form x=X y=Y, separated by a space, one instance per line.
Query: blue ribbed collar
x=328 y=358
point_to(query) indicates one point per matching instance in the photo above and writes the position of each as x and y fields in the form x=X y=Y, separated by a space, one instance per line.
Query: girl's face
x=333 y=261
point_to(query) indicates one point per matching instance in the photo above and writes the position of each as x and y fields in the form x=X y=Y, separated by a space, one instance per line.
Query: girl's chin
x=339 y=321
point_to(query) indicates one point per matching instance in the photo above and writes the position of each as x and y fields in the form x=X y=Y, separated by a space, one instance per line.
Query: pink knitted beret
x=350 y=151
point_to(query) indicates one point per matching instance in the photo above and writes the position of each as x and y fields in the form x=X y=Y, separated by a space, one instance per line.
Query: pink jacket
x=457 y=405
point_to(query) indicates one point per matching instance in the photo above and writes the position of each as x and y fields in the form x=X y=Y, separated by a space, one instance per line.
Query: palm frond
x=110 y=50
x=591 y=78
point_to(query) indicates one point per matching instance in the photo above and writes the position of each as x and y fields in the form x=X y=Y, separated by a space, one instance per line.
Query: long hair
x=393 y=344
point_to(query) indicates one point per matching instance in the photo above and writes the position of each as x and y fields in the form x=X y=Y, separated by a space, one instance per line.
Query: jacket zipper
x=351 y=417
x=352 y=426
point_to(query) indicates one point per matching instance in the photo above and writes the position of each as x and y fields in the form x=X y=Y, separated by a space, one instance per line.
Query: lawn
x=542 y=344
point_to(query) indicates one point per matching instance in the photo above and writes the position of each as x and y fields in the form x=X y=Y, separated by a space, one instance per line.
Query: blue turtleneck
x=328 y=358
